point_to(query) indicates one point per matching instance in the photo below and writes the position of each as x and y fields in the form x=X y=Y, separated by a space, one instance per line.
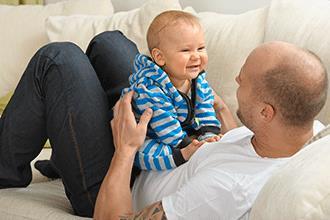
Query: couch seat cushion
x=45 y=200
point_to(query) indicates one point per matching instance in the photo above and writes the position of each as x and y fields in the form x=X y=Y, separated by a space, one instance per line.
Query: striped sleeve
x=157 y=153
x=154 y=156
x=204 y=111
x=164 y=122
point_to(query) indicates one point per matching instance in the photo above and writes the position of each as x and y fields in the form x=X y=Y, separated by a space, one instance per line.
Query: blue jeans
x=66 y=95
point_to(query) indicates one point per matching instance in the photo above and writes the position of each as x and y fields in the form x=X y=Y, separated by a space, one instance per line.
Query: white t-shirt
x=220 y=181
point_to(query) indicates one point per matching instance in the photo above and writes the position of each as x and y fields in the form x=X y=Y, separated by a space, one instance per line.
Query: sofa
x=299 y=190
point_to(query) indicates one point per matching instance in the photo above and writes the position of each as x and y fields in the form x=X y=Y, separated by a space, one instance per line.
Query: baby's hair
x=164 y=20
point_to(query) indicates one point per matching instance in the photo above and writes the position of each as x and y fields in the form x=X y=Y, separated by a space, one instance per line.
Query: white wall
x=223 y=6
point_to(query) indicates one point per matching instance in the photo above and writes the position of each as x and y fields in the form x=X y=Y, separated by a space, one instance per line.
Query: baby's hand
x=215 y=138
x=188 y=151
x=209 y=137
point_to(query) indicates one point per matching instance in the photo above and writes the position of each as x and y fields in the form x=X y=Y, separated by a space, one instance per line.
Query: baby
x=172 y=83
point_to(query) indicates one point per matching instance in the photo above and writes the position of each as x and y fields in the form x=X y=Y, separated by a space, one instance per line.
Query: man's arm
x=154 y=212
x=114 y=198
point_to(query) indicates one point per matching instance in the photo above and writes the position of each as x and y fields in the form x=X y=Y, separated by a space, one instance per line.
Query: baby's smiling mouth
x=193 y=66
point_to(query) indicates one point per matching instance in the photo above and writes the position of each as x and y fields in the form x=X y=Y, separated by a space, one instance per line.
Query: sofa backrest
x=23 y=33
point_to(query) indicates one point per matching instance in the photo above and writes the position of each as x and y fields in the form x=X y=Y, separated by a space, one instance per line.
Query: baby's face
x=184 y=52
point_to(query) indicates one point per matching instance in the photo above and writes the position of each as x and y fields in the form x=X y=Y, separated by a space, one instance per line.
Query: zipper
x=190 y=104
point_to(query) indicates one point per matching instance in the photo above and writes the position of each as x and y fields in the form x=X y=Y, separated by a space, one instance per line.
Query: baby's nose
x=194 y=56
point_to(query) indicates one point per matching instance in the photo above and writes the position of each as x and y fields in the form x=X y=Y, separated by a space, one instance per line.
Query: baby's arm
x=163 y=157
x=162 y=150
x=223 y=114
x=206 y=123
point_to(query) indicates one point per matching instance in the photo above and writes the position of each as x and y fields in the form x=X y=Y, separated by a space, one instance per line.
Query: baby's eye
x=201 y=48
x=185 y=50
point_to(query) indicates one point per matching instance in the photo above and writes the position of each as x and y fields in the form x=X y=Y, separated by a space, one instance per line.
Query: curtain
x=22 y=2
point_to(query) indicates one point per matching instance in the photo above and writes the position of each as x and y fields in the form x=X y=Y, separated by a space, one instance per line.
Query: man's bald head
x=293 y=80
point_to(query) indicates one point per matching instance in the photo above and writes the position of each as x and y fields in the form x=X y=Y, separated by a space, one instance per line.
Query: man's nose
x=236 y=79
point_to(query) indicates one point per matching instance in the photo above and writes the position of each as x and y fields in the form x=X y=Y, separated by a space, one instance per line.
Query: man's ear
x=267 y=112
x=158 y=57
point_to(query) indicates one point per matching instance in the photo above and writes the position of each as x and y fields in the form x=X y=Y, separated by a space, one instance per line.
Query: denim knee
x=107 y=37
x=110 y=43
x=66 y=56
x=108 y=34
x=61 y=65
x=53 y=50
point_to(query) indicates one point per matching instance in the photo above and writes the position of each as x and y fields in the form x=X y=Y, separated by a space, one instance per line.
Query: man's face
x=246 y=96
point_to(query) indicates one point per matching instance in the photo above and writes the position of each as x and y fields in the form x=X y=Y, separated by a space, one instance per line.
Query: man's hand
x=188 y=151
x=127 y=134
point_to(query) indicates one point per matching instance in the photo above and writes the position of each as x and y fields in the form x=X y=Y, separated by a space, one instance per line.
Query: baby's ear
x=158 y=56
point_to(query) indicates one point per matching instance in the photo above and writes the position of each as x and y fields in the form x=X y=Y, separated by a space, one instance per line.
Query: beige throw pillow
x=300 y=189
x=133 y=23
x=23 y=33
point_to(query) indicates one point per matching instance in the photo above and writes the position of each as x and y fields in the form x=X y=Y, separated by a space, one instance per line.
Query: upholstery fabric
x=23 y=33
x=301 y=189
x=21 y=2
x=133 y=24
x=44 y=200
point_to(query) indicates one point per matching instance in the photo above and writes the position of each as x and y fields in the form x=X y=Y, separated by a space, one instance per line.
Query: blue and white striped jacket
x=153 y=89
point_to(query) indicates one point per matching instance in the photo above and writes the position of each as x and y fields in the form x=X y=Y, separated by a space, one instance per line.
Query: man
x=281 y=90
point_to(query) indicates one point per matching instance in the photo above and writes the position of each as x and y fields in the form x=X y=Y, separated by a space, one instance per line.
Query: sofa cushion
x=23 y=33
x=301 y=189
x=306 y=24
x=133 y=24
x=45 y=200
